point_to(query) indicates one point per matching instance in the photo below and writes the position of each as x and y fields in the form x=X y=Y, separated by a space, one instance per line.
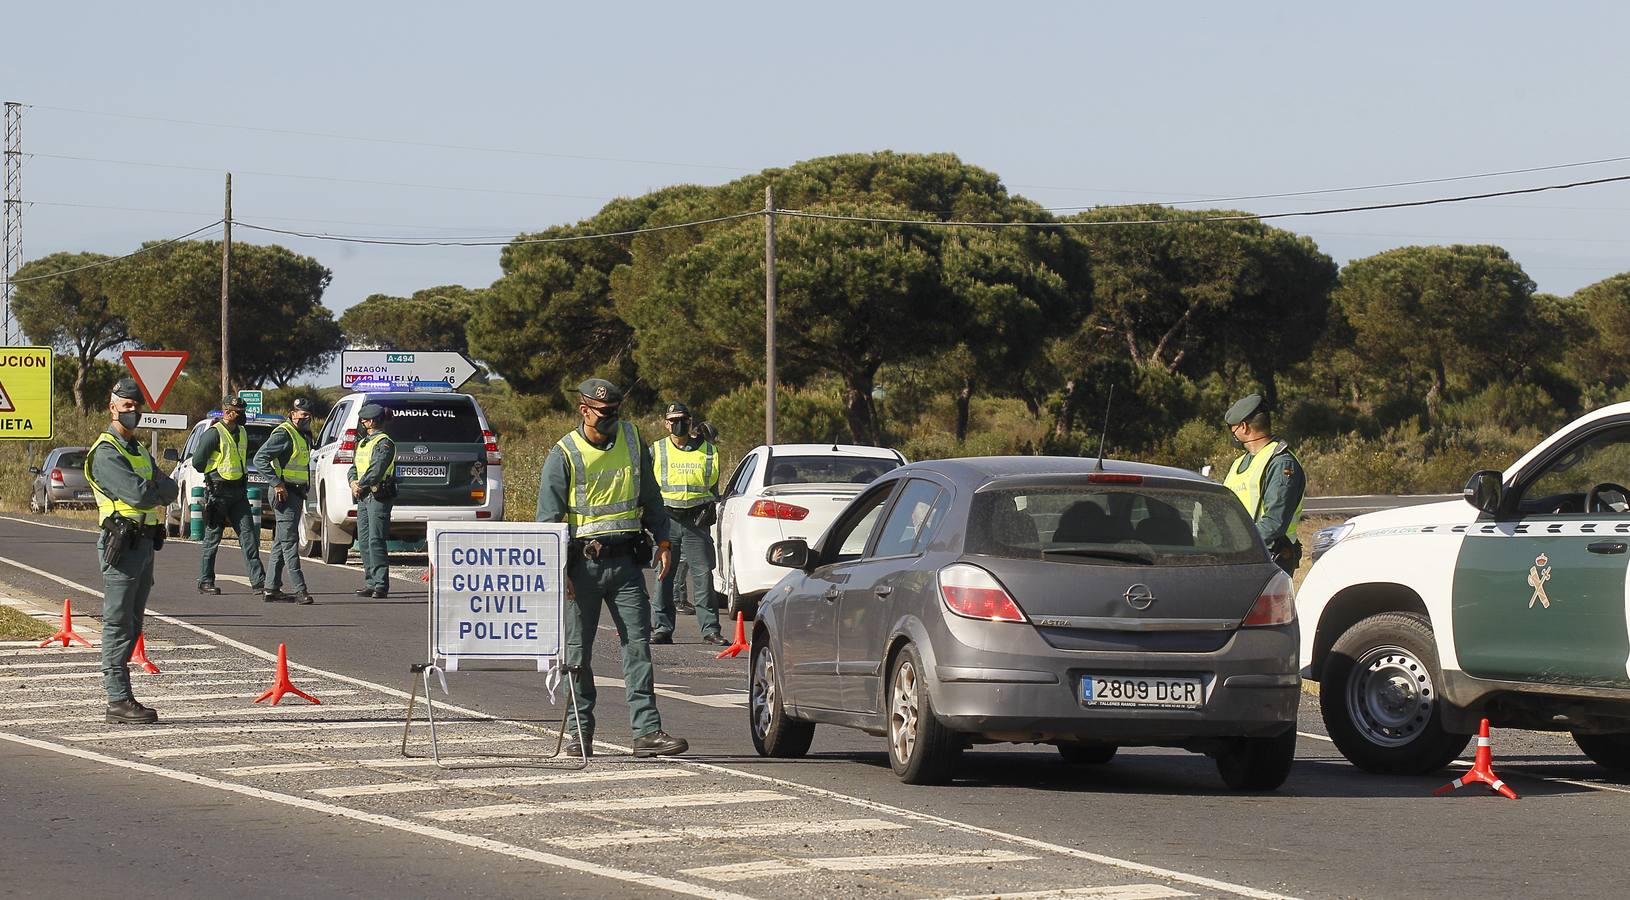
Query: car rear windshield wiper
x=1103 y=553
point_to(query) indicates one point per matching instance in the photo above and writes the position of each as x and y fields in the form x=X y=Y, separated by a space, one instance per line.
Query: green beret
x=371 y=411
x=1244 y=409
x=601 y=390
x=677 y=411
x=234 y=403
x=128 y=389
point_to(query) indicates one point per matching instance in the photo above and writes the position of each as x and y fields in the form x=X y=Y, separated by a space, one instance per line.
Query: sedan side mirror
x=793 y=554
x=1485 y=490
x=170 y=455
x=1205 y=471
x=35 y=470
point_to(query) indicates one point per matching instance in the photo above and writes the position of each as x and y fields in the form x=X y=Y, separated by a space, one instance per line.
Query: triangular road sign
x=5 y=401
x=155 y=369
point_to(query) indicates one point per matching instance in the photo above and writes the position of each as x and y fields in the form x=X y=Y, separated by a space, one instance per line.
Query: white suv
x=448 y=468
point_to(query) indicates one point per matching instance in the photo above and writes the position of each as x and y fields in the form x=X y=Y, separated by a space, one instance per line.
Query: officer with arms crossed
x=373 y=486
x=222 y=454
x=687 y=466
x=1268 y=479
x=286 y=457
x=130 y=494
x=598 y=480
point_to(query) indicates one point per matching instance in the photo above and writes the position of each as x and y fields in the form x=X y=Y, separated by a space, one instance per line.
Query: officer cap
x=371 y=411
x=600 y=390
x=1247 y=407
x=301 y=404
x=234 y=403
x=128 y=389
x=677 y=411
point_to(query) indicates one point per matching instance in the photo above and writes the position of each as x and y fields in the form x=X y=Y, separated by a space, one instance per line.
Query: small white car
x=1509 y=605
x=259 y=428
x=785 y=492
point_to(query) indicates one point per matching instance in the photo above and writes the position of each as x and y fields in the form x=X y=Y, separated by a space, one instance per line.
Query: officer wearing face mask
x=1268 y=479
x=286 y=458
x=598 y=480
x=222 y=455
x=687 y=465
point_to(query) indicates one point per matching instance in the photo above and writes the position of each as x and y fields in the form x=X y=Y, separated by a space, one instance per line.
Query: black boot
x=208 y=587
x=129 y=712
x=659 y=743
x=577 y=748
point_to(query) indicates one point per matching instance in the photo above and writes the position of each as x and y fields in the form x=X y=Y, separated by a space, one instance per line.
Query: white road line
x=282 y=768
x=213 y=750
x=398 y=762
x=717 y=701
x=310 y=746
x=494 y=811
x=6 y=667
x=248 y=709
x=1108 y=892
x=80 y=676
x=767 y=868
x=724 y=798
x=631 y=836
x=160 y=698
x=126 y=733
x=420 y=787
x=36 y=650
x=658 y=882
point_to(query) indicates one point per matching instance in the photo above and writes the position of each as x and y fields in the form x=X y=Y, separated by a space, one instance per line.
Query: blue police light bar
x=381 y=386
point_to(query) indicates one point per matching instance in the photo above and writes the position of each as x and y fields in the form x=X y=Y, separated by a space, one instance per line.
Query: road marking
x=214 y=750
x=717 y=701
x=494 y=811
x=246 y=710
x=1109 y=892
x=162 y=698
x=126 y=733
x=771 y=867
x=308 y=746
x=727 y=798
x=80 y=676
x=658 y=882
x=283 y=768
x=36 y=650
x=631 y=836
x=419 y=787
x=90 y=662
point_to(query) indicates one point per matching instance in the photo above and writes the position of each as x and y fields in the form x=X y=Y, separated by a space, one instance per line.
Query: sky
x=546 y=111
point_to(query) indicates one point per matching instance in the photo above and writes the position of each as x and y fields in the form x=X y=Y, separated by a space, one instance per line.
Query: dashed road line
x=671 y=801
x=69 y=664
x=631 y=836
x=81 y=676
x=422 y=787
x=1108 y=892
x=750 y=871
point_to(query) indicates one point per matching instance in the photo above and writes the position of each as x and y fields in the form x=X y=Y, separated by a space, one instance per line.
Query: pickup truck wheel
x=309 y=545
x=333 y=552
x=1610 y=751
x=1380 y=697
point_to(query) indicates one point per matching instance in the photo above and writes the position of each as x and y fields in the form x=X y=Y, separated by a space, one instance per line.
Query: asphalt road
x=225 y=796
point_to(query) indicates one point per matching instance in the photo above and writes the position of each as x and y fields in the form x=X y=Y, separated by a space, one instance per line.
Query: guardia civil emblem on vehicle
x=1538 y=574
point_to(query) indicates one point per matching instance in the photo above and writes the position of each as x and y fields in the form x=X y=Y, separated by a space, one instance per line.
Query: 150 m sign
x=25 y=393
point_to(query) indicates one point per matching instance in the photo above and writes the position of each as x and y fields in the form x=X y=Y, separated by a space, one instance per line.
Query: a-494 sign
x=376 y=369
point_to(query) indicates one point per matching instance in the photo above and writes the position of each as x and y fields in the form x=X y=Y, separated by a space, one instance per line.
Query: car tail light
x=494 y=458
x=1276 y=605
x=775 y=509
x=1113 y=478
x=56 y=476
x=975 y=593
x=483 y=514
x=347 y=454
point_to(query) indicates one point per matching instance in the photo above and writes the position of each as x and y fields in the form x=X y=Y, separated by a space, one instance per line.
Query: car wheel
x=921 y=750
x=1087 y=754
x=774 y=732
x=735 y=603
x=33 y=502
x=1257 y=764
x=1611 y=751
x=1380 y=697
x=333 y=552
x=310 y=547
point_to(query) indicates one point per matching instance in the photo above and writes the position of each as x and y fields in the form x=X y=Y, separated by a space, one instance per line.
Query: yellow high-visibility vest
x=603 y=490
x=365 y=454
x=687 y=477
x=298 y=469
x=1248 y=485
x=141 y=463
x=230 y=457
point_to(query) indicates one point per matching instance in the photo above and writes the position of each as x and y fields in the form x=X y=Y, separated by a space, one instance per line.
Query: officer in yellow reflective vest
x=1268 y=479
x=373 y=486
x=222 y=455
x=131 y=494
x=598 y=480
x=687 y=467
x=285 y=457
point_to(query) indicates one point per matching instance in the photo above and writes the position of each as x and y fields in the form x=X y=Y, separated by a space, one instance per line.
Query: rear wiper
x=1123 y=555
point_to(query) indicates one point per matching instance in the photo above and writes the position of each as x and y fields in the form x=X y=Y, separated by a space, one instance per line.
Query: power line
x=109 y=262
x=195 y=213
x=410 y=242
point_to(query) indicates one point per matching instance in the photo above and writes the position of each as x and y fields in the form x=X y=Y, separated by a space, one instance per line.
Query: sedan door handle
x=1608 y=547
x=831 y=595
x=883 y=590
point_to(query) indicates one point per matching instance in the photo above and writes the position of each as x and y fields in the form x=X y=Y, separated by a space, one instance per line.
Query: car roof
x=833 y=450
x=981 y=470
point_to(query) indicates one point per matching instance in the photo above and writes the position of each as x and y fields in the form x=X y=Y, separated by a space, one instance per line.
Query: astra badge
x=1538 y=574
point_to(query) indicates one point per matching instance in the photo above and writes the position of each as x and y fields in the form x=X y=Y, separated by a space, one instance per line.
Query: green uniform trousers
x=247 y=522
x=286 y=543
x=124 y=602
x=620 y=585
x=692 y=546
x=373 y=527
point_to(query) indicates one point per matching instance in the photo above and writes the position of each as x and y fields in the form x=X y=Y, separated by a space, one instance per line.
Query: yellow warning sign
x=25 y=393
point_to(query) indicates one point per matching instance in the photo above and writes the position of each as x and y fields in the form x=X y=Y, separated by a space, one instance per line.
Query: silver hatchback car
x=1034 y=600
x=59 y=480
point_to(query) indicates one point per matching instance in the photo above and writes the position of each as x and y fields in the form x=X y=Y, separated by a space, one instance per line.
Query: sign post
x=443 y=369
x=26 y=412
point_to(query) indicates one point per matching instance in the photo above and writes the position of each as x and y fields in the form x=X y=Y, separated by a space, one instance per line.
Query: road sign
x=163 y=421
x=496 y=591
x=251 y=400
x=446 y=369
x=155 y=372
x=25 y=393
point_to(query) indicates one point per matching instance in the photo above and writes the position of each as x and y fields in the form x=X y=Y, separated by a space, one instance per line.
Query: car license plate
x=422 y=471
x=1142 y=690
x=82 y=495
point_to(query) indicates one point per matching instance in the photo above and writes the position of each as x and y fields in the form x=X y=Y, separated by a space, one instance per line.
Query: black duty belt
x=595 y=548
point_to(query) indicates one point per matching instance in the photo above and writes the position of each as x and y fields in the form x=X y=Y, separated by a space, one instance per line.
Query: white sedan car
x=781 y=493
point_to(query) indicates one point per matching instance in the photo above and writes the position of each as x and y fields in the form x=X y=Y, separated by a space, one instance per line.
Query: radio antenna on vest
x=1103 y=435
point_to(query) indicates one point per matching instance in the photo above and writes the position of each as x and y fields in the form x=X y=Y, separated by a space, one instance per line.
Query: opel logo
x=421 y=449
x=1140 y=596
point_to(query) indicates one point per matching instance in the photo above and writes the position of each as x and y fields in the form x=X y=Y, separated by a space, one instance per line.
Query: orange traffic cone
x=737 y=644
x=281 y=684
x=66 y=633
x=138 y=656
x=1482 y=769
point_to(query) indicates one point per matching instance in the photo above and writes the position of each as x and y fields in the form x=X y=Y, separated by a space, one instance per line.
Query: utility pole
x=226 y=296
x=769 y=315
x=13 y=213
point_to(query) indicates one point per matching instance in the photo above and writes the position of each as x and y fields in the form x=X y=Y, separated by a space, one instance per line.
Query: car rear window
x=74 y=460
x=1102 y=524
x=431 y=420
x=257 y=436
x=827 y=469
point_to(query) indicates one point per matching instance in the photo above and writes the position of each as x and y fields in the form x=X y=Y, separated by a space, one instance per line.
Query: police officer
x=222 y=454
x=286 y=458
x=598 y=480
x=1268 y=479
x=687 y=468
x=130 y=494
x=373 y=486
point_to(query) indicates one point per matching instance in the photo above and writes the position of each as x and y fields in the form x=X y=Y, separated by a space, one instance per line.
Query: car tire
x=333 y=552
x=33 y=502
x=310 y=546
x=1610 y=751
x=1257 y=764
x=1380 y=697
x=921 y=749
x=735 y=603
x=1087 y=754
x=774 y=733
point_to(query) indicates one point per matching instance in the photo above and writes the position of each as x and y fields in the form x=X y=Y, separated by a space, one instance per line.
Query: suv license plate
x=1142 y=690
x=422 y=471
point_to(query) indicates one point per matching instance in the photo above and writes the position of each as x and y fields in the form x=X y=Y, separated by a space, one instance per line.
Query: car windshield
x=74 y=459
x=827 y=469
x=1113 y=525
x=431 y=419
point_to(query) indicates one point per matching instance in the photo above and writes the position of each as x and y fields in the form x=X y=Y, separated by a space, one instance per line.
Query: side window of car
x=1588 y=478
x=744 y=475
x=911 y=520
x=853 y=531
x=331 y=430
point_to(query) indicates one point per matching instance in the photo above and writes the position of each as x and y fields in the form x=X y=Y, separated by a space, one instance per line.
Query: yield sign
x=5 y=401
x=155 y=371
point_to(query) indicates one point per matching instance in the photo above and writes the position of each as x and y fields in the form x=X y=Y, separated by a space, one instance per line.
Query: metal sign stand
x=421 y=673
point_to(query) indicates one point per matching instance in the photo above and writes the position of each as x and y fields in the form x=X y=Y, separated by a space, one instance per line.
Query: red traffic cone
x=66 y=633
x=737 y=644
x=1482 y=769
x=138 y=656
x=281 y=684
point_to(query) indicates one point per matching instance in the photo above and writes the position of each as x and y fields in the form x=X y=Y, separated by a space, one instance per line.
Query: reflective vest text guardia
x=298 y=469
x=1247 y=485
x=140 y=463
x=687 y=477
x=229 y=459
x=603 y=485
